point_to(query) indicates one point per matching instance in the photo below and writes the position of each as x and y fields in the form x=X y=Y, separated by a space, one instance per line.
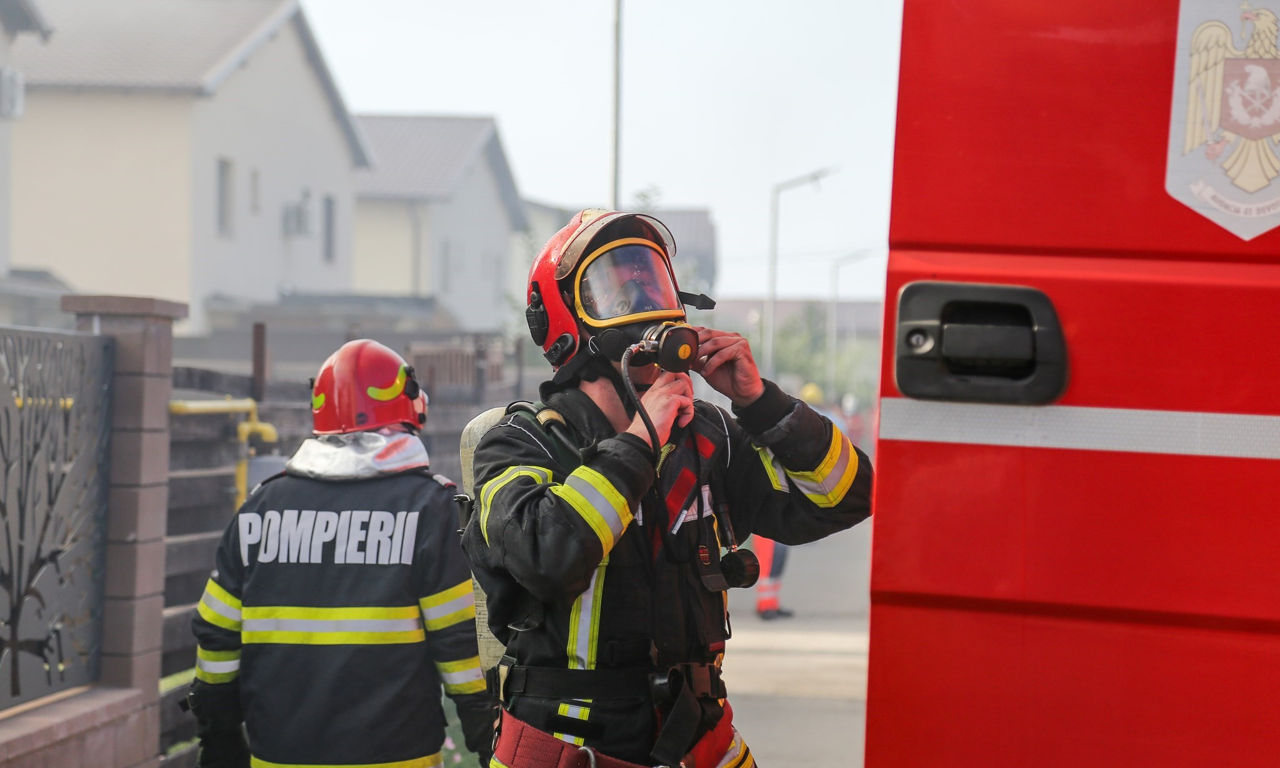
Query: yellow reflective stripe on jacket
x=430 y=761
x=219 y=607
x=491 y=488
x=452 y=606
x=461 y=676
x=827 y=484
x=584 y=622
x=595 y=499
x=371 y=625
x=496 y=763
x=217 y=666
x=773 y=468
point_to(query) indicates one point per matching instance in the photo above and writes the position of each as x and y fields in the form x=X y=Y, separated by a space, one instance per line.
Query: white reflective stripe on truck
x=1187 y=433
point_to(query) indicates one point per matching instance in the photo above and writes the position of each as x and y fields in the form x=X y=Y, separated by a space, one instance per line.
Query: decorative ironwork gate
x=55 y=406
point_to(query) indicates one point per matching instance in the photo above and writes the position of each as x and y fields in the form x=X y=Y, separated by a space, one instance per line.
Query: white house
x=16 y=17
x=438 y=215
x=184 y=149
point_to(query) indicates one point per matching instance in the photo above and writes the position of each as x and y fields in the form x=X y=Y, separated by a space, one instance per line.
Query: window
x=255 y=201
x=226 y=197
x=330 y=206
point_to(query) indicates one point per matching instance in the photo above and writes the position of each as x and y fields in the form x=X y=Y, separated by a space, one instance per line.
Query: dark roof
x=23 y=16
x=40 y=280
x=426 y=157
x=175 y=46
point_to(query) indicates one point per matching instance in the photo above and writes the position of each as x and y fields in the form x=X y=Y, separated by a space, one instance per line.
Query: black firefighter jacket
x=340 y=608
x=600 y=562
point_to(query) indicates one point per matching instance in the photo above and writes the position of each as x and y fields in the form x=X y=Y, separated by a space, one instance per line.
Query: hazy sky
x=721 y=100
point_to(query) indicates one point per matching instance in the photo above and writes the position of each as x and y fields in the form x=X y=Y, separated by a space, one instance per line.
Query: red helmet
x=603 y=269
x=364 y=386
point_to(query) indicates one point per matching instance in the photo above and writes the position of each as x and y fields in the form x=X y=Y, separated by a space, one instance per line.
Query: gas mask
x=627 y=297
x=672 y=346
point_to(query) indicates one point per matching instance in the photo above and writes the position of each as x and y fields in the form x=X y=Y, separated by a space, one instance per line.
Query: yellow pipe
x=244 y=430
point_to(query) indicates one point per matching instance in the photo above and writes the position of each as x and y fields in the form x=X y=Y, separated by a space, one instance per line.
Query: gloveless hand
x=725 y=361
x=668 y=401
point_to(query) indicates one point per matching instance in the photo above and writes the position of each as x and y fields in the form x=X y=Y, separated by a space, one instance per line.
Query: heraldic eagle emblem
x=1235 y=98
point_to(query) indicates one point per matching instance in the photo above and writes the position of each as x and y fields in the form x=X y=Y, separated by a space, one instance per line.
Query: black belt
x=553 y=683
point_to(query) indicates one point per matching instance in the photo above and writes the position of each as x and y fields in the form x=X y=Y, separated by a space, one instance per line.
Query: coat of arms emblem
x=1224 y=142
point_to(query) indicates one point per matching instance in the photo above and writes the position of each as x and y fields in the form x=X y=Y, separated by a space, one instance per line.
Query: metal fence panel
x=55 y=408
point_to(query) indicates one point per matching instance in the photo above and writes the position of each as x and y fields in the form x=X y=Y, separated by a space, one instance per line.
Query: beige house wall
x=100 y=191
x=384 y=247
x=273 y=120
x=6 y=140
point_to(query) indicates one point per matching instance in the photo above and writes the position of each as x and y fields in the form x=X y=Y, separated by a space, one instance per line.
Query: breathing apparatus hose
x=635 y=398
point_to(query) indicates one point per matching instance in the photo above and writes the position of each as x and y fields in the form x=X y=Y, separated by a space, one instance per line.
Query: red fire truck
x=1076 y=559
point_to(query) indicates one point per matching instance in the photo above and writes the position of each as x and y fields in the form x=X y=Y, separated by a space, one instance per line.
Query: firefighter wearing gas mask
x=607 y=517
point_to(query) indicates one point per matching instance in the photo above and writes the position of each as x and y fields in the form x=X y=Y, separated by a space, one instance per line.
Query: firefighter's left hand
x=223 y=749
x=725 y=361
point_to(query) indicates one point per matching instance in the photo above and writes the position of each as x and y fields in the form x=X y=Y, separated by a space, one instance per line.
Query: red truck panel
x=1043 y=127
x=1035 y=605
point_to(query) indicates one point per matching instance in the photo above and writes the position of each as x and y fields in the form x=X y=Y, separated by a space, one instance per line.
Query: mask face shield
x=626 y=281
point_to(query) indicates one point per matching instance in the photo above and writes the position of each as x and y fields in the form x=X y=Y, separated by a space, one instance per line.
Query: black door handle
x=980 y=343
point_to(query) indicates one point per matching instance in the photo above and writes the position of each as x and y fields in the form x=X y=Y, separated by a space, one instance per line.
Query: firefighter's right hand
x=669 y=401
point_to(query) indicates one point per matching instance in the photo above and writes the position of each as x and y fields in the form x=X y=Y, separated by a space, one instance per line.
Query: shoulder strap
x=550 y=424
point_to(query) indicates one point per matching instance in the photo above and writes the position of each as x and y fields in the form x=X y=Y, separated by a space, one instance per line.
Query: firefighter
x=605 y=535
x=773 y=559
x=341 y=600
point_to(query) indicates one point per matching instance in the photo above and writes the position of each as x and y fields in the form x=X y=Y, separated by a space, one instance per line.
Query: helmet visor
x=627 y=281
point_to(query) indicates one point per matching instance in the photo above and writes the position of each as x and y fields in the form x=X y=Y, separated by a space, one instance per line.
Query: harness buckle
x=591 y=756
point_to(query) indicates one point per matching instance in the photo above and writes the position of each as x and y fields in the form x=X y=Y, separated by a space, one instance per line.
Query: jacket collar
x=358 y=455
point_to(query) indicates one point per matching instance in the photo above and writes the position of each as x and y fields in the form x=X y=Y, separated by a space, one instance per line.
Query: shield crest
x=1251 y=97
x=1224 y=137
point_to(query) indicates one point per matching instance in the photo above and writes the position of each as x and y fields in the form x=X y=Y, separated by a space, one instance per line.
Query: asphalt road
x=798 y=686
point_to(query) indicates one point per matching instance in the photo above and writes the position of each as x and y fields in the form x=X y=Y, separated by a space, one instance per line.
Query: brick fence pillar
x=139 y=489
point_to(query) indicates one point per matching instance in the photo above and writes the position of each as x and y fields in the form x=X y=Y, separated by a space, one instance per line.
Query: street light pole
x=617 y=97
x=772 y=300
x=836 y=264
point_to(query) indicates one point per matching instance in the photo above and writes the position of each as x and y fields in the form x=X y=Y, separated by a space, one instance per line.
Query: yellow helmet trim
x=657 y=314
x=392 y=392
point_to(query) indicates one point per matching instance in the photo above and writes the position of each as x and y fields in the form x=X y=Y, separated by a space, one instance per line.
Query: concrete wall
x=272 y=117
x=384 y=247
x=100 y=191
